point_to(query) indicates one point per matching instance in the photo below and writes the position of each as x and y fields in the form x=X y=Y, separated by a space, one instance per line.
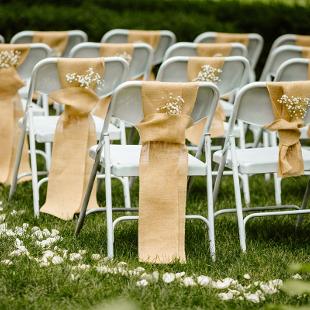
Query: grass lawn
x=272 y=245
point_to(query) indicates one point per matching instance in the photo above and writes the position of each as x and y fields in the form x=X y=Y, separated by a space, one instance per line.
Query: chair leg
x=126 y=191
x=304 y=204
x=108 y=193
x=266 y=144
x=246 y=189
x=210 y=196
x=277 y=189
x=242 y=236
x=33 y=159
x=48 y=152
x=18 y=157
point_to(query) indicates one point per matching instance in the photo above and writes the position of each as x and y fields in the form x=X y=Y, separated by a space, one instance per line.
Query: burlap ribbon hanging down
x=197 y=72
x=213 y=49
x=305 y=52
x=163 y=170
x=11 y=57
x=75 y=134
x=151 y=37
x=289 y=104
x=303 y=40
x=56 y=40
x=242 y=38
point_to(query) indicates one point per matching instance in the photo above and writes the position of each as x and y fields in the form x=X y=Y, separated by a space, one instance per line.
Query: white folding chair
x=124 y=160
x=235 y=74
x=286 y=39
x=37 y=52
x=74 y=37
x=140 y=64
x=254 y=47
x=167 y=38
x=249 y=100
x=1 y=39
x=190 y=49
x=277 y=57
x=41 y=129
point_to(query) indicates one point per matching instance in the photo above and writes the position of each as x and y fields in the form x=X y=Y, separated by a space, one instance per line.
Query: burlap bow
x=290 y=155
x=56 y=40
x=195 y=132
x=12 y=56
x=75 y=134
x=163 y=171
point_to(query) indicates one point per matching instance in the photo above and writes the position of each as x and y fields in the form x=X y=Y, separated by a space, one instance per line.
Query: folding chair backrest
x=190 y=49
x=37 y=52
x=253 y=106
x=75 y=37
x=1 y=39
x=167 y=38
x=295 y=69
x=235 y=73
x=139 y=65
x=286 y=39
x=254 y=47
x=277 y=57
x=45 y=78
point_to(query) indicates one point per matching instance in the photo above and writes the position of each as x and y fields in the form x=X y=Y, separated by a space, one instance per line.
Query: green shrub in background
x=185 y=18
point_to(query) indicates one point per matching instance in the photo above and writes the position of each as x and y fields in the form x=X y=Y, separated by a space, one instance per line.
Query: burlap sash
x=75 y=134
x=302 y=40
x=150 y=37
x=56 y=40
x=290 y=156
x=12 y=56
x=163 y=171
x=124 y=50
x=242 y=38
x=213 y=49
x=305 y=52
x=195 y=132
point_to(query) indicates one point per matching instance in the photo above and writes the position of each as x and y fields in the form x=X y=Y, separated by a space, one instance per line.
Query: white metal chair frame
x=251 y=97
x=286 y=39
x=190 y=49
x=125 y=106
x=74 y=37
x=1 y=39
x=45 y=79
x=140 y=64
x=167 y=38
x=254 y=48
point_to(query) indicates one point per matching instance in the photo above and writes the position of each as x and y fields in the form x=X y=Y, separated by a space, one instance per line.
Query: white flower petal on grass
x=168 y=277
x=204 y=280
x=82 y=252
x=34 y=229
x=95 y=256
x=179 y=275
x=297 y=276
x=44 y=264
x=226 y=296
x=247 y=276
x=74 y=277
x=75 y=257
x=122 y=264
x=7 y=262
x=13 y=212
x=142 y=283
x=103 y=269
x=139 y=269
x=81 y=267
x=252 y=297
x=188 y=281
x=57 y=260
x=2 y=218
x=223 y=284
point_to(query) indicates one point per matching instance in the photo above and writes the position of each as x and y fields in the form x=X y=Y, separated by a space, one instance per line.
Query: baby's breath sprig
x=125 y=56
x=9 y=58
x=88 y=80
x=297 y=107
x=208 y=74
x=173 y=106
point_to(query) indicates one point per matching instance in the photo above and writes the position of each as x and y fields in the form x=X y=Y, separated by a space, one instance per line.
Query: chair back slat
x=296 y=69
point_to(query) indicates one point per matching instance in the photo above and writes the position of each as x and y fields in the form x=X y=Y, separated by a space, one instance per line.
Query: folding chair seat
x=140 y=63
x=253 y=161
x=45 y=79
x=254 y=47
x=74 y=37
x=167 y=38
x=124 y=160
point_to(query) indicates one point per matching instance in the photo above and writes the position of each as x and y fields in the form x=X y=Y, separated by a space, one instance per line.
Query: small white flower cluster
x=125 y=56
x=297 y=107
x=208 y=74
x=173 y=105
x=45 y=238
x=88 y=80
x=9 y=58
